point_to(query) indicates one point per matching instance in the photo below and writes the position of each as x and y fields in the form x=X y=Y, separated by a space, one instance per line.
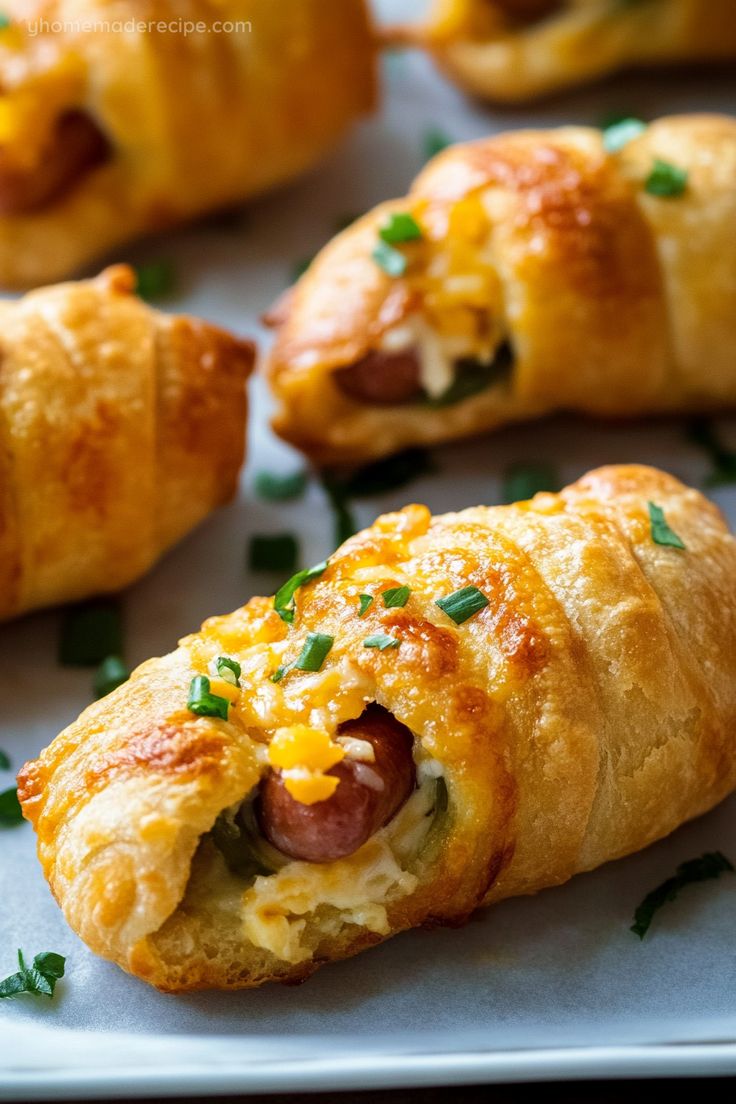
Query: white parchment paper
x=559 y=970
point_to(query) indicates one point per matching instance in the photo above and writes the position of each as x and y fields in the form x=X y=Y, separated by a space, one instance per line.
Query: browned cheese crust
x=588 y=710
x=120 y=429
x=614 y=301
x=517 y=50
x=187 y=121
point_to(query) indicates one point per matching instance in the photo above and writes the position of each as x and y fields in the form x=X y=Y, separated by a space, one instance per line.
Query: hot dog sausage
x=383 y=379
x=74 y=146
x=368 y=796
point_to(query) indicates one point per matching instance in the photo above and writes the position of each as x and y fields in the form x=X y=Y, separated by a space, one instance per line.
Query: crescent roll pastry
x=523 y=274
x=515 y=50
x=451 y=711
x=123 y=117
x=120 y=429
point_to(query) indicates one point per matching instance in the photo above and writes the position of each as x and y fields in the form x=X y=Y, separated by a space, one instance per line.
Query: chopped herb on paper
x=10 y=810
x=155 y=279
x=707 y=867
x=665 y=179
x=343 y=518
x=90 y=632
x=273 y=552
x=701 y=432
x=280 y=488
x=661 y=532
x=522 y=481
x=388 y=474
x=434 y=141
x=40 y=978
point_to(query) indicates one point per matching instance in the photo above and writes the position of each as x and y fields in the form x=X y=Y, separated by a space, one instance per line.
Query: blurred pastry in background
x=108 y=132
x=121 y=428
x=528 y=273
x=516 y=50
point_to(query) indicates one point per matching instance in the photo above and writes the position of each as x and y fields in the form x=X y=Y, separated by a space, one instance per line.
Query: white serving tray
x=548 y=987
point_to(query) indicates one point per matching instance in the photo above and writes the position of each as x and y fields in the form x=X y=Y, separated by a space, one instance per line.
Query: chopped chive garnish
x=389 y=259
x=39 y=978
x=381 y=641
x=708 y=866
x=665 y=179
x=10 y=810
x=5 y=759
x=389 y=474
x=434 y=142
x=620 y=133
x=283 y=601
x=280 y=488
x=273 y=552
x=366 y=601
x=463 y=603
x=89 y=633
x=400 y=227
x=396 y=597
x=344 y=520
x=280 y=672
x=661 y=532
x=315 y=651
x=203 y=702
x=300 y=267
x=111 y=673
x=228 y=669
x=523 y=481
x=5 y=21
x=155 y=280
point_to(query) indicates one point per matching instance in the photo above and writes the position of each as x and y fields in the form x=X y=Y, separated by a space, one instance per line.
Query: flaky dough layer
x=516 y=50
x=193 y=120
x=120 y=429
x=613 y=301
x=588 y=710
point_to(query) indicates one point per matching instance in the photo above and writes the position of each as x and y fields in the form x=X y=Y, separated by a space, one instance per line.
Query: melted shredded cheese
x=278 y=907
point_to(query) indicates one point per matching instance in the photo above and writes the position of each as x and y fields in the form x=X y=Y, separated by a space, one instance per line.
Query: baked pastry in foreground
x=120 y=429
x=516 y=50
x=108 y=132
x=452 y=711
x=523 y=274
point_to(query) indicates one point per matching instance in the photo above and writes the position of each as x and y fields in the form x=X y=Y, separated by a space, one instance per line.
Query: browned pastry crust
x=517 y=50
x=179 y=120
x=120 y=429
x=612 y=301
x=587 y=710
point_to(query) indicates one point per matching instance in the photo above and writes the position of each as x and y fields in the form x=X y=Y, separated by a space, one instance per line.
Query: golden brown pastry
x=118 y=118
x=453 y=710
x=528 y=273
x=516 y=50
x=120 y=429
